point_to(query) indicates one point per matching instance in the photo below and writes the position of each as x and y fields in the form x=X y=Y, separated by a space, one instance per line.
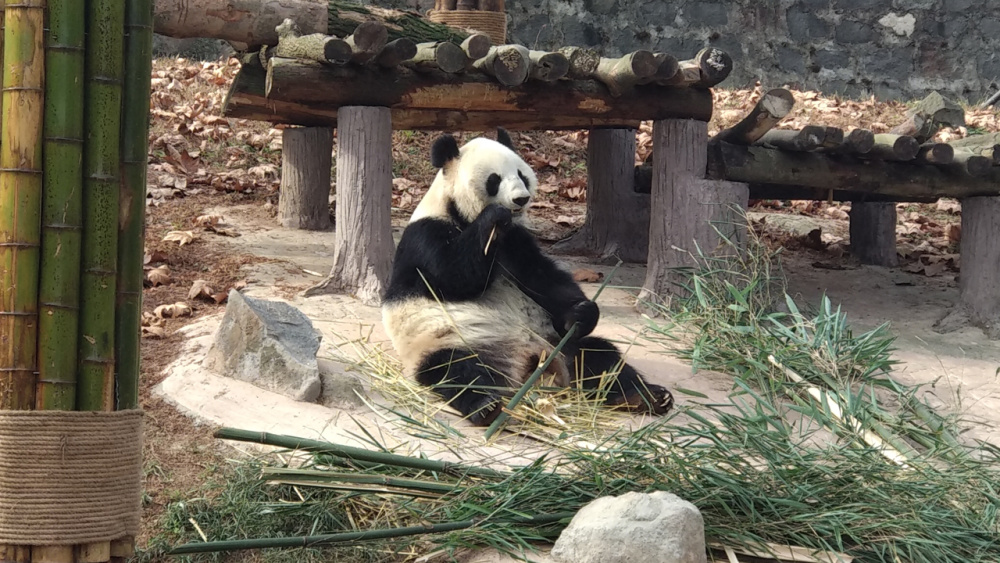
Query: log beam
x=873 y=233
x=307 y=93
x=762 y=165
x=304 y=199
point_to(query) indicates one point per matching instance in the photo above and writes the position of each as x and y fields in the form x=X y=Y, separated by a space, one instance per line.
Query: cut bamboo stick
x=134 y=143
x=62 y=207
x=102 y=95
x=20 y=200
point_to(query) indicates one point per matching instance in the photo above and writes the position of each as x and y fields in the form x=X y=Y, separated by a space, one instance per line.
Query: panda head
x=480 y=173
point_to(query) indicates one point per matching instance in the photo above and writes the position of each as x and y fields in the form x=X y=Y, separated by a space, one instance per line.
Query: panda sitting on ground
x=472 y=303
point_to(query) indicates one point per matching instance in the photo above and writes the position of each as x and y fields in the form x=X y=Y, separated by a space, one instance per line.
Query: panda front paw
x=585 y=314
x=494 y=221
x=485 y=410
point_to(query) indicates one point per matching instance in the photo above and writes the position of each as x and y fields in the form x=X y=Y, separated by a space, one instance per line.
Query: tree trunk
x=306 y=156
x=617 y=221
x=687 y=207
x=252 y=22
x=363 y=253
x=978 y=283
x=772 y=107
x=873 y=233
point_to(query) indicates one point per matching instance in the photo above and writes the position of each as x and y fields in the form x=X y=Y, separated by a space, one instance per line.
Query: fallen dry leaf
x=954 y=232
x=587 y=275
x=181 y=237
x=153 y=257
x=153 y=332
x=948 y=205
x=179 y=309
x=200 y=288
x=208 y=220
x=159 y=275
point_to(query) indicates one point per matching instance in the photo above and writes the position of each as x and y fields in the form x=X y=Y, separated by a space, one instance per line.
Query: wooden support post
x=306 y=156
x=873 y=233
x=363 y=252
x=978 y=282
x=686 y=209
x=617 y=223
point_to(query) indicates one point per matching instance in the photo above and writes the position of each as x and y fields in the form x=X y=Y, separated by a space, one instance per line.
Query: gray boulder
x=267 y=343
x=634 y=528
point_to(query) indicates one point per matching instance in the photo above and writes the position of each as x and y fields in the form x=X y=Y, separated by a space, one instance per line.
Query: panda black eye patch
x=493 y=185
x=523 y=179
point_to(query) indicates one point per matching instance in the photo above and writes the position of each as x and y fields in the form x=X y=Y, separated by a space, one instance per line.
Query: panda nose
x=522 y=201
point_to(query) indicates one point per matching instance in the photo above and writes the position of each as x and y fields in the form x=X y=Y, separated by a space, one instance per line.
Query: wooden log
x=251 y=22
x=969 y=163
x=449 y=5
x=708 y=68
x=476 y=46
x=466 y=5
x=315 y=46
x=306 y=82
x=621 y=74
x=643 y=177
x=344 y=17
x=987 y=144
x=809 y=138
x=857 y=142
x=688 y=207
x=306 y=159
x=833 y=138
x=873 y=233
x=509 y=64
x=367 y=41
x=548 y=66
x=978 y=284
x=491 y=5
x=928 y=116
x=305 y=93
x=936 y=153
x=395 y=52
x=772 y=107
x=363 y=251
x=762 y=165
x=893 y=147
x=582 y=62
x=667 y=68
x=617 y=220
x=441 y=55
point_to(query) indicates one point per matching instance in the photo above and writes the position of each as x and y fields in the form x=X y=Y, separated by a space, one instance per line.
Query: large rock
x=267 y=343
x=634 y=528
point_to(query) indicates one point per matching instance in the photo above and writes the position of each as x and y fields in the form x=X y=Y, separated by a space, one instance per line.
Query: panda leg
x=461 y=378
x=595 y=356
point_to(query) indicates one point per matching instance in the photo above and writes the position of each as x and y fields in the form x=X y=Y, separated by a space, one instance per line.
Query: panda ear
x=503 y=137
x=444 y=150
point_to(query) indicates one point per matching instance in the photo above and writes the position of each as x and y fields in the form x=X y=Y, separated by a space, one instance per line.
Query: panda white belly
x=504 y=327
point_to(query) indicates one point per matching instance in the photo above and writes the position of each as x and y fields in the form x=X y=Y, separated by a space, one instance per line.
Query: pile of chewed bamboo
x=73 y=141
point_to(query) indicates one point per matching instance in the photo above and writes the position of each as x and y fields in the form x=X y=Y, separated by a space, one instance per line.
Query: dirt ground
x=211 y=227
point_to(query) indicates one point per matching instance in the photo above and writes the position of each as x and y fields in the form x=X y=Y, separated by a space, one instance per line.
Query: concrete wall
x=890 y=48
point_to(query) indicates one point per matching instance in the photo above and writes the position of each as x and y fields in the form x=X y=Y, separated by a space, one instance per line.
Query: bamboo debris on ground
x=21 y=200
x=62 y=212
x=102 y=160
x=134 y=148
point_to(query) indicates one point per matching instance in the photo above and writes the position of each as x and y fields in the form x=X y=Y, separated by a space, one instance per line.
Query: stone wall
x=890 y=48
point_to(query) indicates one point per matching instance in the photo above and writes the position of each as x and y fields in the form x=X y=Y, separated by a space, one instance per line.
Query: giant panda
x=473 y=303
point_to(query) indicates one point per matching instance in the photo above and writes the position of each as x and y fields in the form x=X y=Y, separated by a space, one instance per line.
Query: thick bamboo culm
x=62 y=207
x=101 y=160
x=20 y=200
x=135 y=129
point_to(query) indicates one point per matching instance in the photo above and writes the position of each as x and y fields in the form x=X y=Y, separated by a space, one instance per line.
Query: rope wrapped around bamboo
x=491 y=24
x=69 y=477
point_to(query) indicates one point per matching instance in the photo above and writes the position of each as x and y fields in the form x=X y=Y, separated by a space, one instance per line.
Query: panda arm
x=553 y=288
x=452 y=261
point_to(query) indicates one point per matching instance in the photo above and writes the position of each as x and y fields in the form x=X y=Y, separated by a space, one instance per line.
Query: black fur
x=493 y=185
x=524 y=180
x=503 y=137
x=443 y=151
x=462 y=378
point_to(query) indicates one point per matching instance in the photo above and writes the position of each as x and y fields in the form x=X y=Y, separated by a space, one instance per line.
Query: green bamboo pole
x=294 y=443
x=62 y=207
x=102 y=96
x=135 y=132
x=330 y=539
x=20 y=200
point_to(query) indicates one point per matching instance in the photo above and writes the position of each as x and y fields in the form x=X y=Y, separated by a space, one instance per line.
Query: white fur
x=463 y=180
